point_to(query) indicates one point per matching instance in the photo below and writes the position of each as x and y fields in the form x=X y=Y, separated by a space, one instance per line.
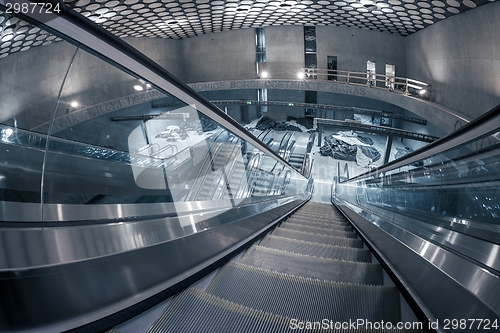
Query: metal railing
x=403 y=85
x=353 y=125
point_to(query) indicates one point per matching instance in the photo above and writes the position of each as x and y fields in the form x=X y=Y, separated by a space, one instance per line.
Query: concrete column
x=320 y=134
x=388 y=147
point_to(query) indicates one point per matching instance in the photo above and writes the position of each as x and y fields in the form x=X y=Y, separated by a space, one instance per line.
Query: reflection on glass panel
x=117 y=140
x=458 y=187
x=88 y=133
x=32 y=70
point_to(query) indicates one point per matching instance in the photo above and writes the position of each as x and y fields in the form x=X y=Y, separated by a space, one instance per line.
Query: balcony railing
x=402 y=85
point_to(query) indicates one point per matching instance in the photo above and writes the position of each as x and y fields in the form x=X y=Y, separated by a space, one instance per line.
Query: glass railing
x=77 y=130
x=453 y=183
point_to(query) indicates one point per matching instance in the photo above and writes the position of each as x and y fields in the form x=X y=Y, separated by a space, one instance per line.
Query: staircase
x=296 y=160
x=213 y=180
x=311 y=270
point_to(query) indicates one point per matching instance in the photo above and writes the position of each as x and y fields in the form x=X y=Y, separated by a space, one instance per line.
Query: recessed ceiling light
x=8 y=37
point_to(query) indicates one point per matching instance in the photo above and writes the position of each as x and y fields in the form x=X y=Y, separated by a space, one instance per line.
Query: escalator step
x=312 y=267
x=316 y=205
x=322 y=231
x=331 y=226
x=316 y=250
x=320 y=215
x=304 y=298
x=313 y=223
x=197 y=311
x=315 y=238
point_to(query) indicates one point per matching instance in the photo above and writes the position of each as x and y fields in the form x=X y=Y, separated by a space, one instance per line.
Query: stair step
x=198 y=311
x=312 y=267
x=323 y=231
x=315 y=249
x=317 y=222
x=320 y=215
x=331 y=226
x=304 y=298
x=320 y=239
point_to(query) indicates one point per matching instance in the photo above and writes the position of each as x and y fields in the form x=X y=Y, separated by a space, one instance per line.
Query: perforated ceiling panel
x=187 y=18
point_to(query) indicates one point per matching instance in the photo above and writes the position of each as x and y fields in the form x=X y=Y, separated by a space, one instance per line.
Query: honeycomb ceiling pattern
x=187 y=18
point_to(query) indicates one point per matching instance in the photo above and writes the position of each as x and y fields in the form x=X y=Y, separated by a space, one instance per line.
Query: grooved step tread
x=338 y=227
x=327 y=232
x=200 y=312
x=319 y=220
x=316 y=214
x=304 y=298
x=196 y=311
x=315 y=249
x=320 y=239
x=321 y=217
x=312 y=267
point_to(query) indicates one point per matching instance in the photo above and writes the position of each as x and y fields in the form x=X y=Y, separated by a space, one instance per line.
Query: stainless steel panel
x=30 y=212
x=77 y=291
x=27 y=248
x=446 y=286
x=475 y=248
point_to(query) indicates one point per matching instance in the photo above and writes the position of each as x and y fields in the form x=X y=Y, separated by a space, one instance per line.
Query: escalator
x=237 y=177
x=216 y=166
x=73 y=258
x=312 y=271
x=296 y=160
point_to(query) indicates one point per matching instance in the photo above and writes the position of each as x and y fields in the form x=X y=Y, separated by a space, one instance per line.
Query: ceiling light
x=148 y=85
x=264 y=75
x=422 y=92
x=8 y=131
x=138 y=87
x=6 y=38
x=74 y=104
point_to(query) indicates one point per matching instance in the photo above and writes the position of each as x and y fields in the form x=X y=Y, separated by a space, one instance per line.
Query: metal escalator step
x=323 y=231
x=320 y=215
x=334 y=226
x=316 y=250
x=312 y=267
x=318 y=238
x=197 y=311
x=304 y=298
x=316 y=205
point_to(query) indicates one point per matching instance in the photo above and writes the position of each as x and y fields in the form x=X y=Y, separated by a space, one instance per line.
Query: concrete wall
x=460 y=57
x=242 y=114
x=219 y=56
x=284 y=51
x=166 y=52
x=354 y=47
